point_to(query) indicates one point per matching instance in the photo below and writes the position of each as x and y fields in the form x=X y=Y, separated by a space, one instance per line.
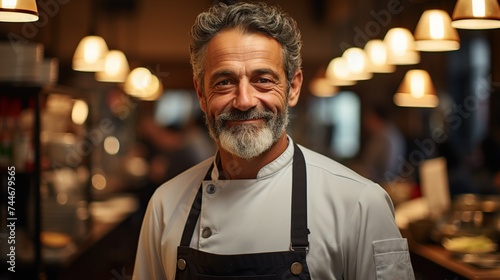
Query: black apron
x=193 y=264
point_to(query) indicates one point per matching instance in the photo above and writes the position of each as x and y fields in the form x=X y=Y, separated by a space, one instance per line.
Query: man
x=262 y=207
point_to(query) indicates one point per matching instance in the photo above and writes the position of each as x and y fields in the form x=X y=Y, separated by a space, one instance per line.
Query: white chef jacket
x=351 y=220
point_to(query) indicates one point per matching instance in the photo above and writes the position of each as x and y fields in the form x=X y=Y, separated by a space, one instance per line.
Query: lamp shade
x=90 y=54
x=435 y=33
x=358 y=64
x=416 y=90
x=337 y=73
x=321 y=87
x=18 y=10
x=141 y=83
x=376 y=51
x=476 y=14
x=401 y=47
x=116 y=68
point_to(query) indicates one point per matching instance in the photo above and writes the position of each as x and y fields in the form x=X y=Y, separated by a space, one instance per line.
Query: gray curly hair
x=250 y=18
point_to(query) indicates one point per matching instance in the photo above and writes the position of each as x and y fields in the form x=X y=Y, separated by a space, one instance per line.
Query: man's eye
x=263 y=80
x=224 y=83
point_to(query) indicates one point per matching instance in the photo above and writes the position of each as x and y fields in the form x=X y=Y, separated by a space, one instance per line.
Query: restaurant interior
x=89 y=141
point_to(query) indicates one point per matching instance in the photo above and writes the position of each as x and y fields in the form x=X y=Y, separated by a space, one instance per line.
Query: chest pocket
x=392 y=259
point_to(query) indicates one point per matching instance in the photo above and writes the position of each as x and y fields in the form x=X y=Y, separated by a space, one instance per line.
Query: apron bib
x=198 y=265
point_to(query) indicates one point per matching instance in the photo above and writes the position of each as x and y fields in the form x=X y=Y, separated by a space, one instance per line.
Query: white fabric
x=346 y=214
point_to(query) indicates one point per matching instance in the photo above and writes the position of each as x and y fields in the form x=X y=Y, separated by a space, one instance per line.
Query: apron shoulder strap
x=299 y=230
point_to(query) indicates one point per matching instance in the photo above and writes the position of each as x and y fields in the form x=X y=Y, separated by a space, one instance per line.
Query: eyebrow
x=229 y=73
x=267 y=71
x=218 y=74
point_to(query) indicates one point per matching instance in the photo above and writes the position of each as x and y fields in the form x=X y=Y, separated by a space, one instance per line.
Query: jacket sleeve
x=148 y=262
x=374 y=248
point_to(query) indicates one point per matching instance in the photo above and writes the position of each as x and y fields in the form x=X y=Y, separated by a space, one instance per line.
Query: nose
x=244 y=98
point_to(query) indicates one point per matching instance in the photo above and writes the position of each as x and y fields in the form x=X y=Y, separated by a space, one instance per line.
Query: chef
x=263 y=207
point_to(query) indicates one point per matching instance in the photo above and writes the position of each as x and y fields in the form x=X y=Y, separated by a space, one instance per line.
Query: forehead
x=237 y=45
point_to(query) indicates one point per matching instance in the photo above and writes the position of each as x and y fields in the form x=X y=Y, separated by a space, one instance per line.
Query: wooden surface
x=432 y=261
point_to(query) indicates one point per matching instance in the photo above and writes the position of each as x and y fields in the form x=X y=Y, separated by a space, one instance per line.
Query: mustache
x=238 y=115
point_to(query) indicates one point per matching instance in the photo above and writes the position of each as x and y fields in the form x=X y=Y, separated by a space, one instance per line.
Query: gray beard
x=247 y=140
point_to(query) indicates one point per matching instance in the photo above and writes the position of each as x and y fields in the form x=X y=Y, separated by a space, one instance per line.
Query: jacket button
x=181 y=264
x=206 y=232
x=211 y=189
x=296 y=268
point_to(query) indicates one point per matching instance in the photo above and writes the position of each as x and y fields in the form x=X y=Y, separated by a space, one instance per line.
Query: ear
x=199 y=94
x=295 y=87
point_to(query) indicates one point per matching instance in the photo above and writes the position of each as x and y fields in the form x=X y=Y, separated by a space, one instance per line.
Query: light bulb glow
x=80 y=112
x=478 y=8
x=437 y=30
x=399 y=43
x=9 y=4
x=356 y=61
x=417 y=84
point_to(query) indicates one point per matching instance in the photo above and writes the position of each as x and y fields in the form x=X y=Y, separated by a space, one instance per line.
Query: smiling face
x=244 y=94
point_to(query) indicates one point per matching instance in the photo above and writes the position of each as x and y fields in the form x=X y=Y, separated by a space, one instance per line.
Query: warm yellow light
x=116 y=68
x=357 y=63
x=417 y=85
x=322 y=87
x=9 y=4
x=476 y=14
x=478 y=8
x=337 y=73
x=111 y=145
x=99 y=182
x=401 y=47
x=18 y=10
x=141 y=83
x=90 y=54
x=376 y=51
x=435 y=33
x=416 y=90
x=436 y=21
x=80 y=112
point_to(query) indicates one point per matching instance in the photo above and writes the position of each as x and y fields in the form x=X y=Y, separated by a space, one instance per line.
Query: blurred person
x=263 y=207
x=385 y=147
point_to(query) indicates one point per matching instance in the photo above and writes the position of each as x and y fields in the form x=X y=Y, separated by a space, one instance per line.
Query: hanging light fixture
x=116 y=68
x=337 y=73
x=90 y=54
x=401 y=47
x=18 y=10
x=358 y=64
x=376 y=51
x=476 y=14
x=141 y=83
x=434 y=32
x=321 y=87
x=416 y=90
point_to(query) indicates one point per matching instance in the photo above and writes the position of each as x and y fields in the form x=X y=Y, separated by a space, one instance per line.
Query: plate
x=470 y=244
x=482 y=260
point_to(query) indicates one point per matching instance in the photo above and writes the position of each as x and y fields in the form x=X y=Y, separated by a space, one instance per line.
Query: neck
x=239 y=168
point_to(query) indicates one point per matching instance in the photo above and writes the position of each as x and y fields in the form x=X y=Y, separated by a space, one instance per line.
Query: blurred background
x=91 y=145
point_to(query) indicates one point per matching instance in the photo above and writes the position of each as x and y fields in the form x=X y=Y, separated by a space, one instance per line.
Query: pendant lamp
x=358 y=64
x=141 y=83
x=376 y=51
x=90 y=54
x=401 y=47
x=116 y=68
x=321 y=87
x=476 y=14
x=434 y=32
x=416 y=90
x=18 y=10
x=337 y=73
